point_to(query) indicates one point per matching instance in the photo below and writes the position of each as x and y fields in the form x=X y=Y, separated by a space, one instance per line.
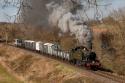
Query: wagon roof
x=39 y=42
x=49 y=44
x=29 y=41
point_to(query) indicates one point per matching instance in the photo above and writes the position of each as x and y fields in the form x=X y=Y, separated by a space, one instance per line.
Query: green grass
x=5 y=77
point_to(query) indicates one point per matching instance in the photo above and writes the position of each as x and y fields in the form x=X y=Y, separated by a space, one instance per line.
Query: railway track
x=119 y=79
x=108 y=75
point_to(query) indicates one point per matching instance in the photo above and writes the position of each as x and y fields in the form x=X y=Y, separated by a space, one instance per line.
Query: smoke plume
x=67 y=17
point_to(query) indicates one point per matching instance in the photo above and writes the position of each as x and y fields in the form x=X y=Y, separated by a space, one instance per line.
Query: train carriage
x=49 y=48
x=59 y=53
x=63 y=55
x=67 y=55
x=55 y=53
x=18 y=42
x=40 y=46
x=29 y=44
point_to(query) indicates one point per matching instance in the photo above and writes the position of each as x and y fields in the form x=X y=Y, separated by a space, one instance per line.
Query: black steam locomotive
x=84 y=57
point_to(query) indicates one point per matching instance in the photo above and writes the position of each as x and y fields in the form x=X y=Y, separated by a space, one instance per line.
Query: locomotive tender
x=79 y=56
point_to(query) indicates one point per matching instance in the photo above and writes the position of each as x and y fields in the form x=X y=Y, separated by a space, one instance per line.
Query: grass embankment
x=6 y=77
x=37 y=69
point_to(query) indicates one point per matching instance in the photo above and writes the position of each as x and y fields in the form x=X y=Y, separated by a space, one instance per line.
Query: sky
x=10 y=11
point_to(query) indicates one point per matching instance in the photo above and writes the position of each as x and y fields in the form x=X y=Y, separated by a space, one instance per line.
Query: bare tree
x=35 y=12
x=26 y=6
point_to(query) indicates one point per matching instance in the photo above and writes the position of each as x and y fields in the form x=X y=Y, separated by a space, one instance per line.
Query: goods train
x=79 y=55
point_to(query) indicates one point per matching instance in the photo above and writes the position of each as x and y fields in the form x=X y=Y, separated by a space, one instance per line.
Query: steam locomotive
x=79 y=55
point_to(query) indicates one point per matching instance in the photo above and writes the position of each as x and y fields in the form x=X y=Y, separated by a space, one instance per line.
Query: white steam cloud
x=68 y=18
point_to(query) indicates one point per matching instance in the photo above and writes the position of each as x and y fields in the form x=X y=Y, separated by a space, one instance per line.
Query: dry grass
x=6 y=77
x=112 y=35
x=36 y=69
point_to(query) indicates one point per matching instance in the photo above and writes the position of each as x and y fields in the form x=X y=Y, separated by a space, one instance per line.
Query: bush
x=110 y=46
x=67 y=42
